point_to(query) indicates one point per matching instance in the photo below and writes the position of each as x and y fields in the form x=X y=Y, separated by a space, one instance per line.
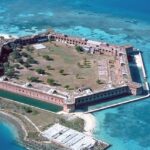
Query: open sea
x=116 y=21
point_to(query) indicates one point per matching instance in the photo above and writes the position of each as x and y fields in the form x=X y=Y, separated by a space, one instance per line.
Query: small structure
x=70 y=138
x=39 y=46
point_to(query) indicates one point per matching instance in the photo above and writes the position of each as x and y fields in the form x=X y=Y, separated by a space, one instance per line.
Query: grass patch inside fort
x=59 y=65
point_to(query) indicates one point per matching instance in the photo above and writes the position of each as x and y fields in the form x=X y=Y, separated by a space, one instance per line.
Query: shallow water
x=8 y=135
x=125 y=127
x=115 y=21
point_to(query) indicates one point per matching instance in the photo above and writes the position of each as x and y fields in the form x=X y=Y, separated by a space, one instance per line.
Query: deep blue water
x=116 y=21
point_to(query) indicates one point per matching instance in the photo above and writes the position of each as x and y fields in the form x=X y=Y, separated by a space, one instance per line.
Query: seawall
x=142 y=65
x=101 y=96
x=144 y=72
x=118 y=104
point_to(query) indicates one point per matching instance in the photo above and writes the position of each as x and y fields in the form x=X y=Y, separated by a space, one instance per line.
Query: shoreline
x=7 y=123
x=89 y=120
x=7 y=36
x=16 y=125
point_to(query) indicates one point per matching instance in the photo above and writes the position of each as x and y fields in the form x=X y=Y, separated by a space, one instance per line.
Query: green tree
x=30 y=60
x=20 y=60
x=17 y=66
x=100 y=82
x=26 y=64
x=51 y=81
x=61 y=71
x=40 y=71
x=24 y=54
x=48 y=67
x=79 y=48
x=10 y=72
x=67 y=87
x=48 y=58
x=33 y=79
x=15 y=54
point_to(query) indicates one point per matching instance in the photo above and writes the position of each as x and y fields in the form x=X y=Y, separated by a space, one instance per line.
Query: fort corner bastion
x=82 y=96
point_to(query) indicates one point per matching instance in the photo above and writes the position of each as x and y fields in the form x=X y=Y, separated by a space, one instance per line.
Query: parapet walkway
x=118 y=104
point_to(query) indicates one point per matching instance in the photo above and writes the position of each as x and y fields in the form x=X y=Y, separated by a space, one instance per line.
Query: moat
x=118 y=23
x=82 y=60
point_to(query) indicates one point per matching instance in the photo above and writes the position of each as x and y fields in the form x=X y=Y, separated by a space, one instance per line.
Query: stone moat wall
x=100 y=48
x=29 y=92
x=102 y=96
x=69 y=107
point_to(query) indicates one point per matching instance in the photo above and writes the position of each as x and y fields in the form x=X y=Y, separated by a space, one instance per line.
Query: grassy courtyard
x=58 y=65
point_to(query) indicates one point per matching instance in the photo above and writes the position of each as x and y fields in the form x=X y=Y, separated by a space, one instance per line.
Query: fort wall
x=78 y=101
x=33 y=93
x=120 y=52
x=101 y=96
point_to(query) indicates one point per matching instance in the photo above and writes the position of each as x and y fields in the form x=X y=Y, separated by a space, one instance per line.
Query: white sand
x=138 y=61
x=7 y=36
x=89 y=121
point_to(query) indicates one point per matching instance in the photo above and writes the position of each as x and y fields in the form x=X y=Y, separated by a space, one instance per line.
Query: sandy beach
x=16 y=124
x=7 y=36
x=89 y=121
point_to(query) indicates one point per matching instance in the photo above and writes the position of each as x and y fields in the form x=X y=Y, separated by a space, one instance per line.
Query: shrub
x=17 y=66
x=100 y=82
x=67 y=87
x=26 y=64
x=33 y=79
x=40 y=71
x=51 y=81
x=48 y=67
x=28 y=109
x=79 y=48
x=24 y=54
x=61 y=71
x=15 y=55
x=48 y=57
x=20 y=60
x=10 y=72
x=30 y=60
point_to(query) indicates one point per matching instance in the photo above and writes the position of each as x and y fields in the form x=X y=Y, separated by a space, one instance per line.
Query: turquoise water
x=115 y=21
x=8 y=137
x=125 y=127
